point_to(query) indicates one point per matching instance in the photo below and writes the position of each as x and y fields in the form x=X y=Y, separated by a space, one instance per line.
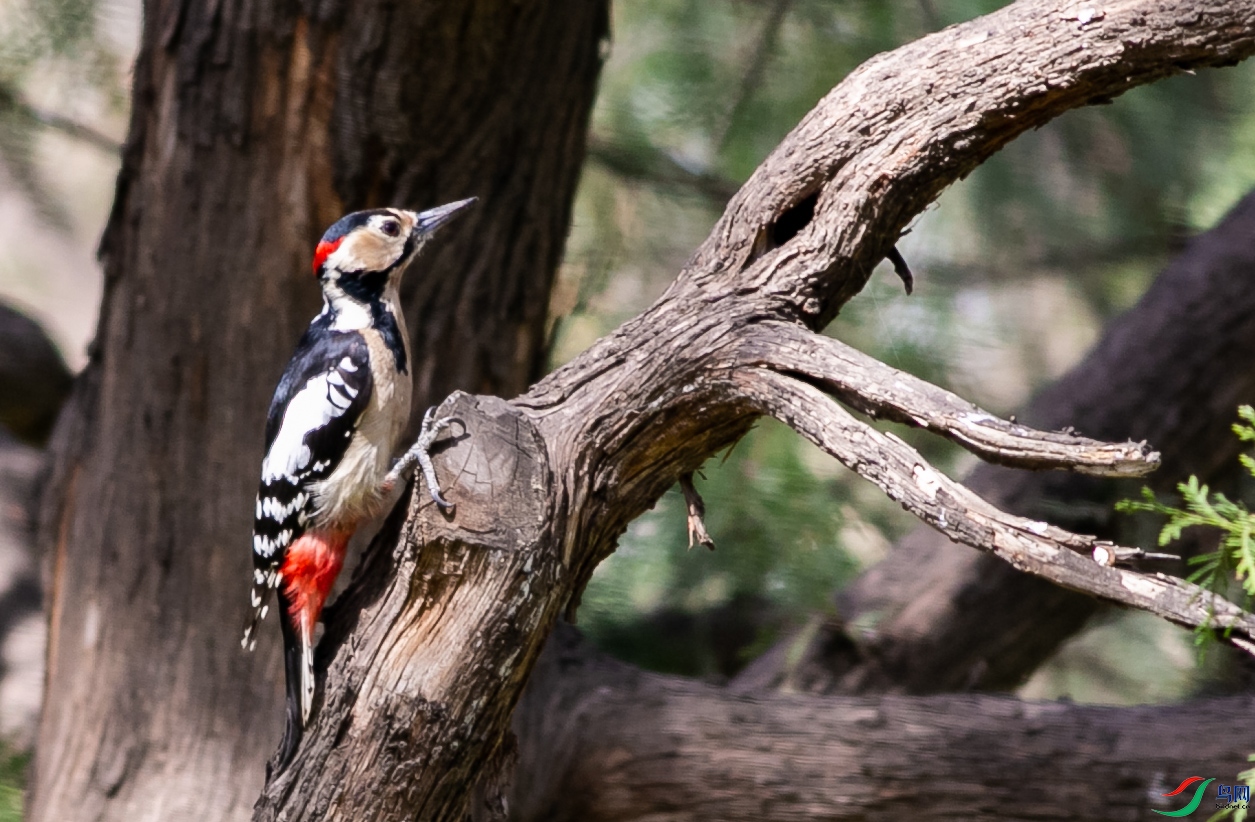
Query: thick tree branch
x=1036 y=547
x=880 y=391
x=885 y=142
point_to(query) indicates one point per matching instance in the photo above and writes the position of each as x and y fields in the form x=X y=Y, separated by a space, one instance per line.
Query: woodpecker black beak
x=426 y=222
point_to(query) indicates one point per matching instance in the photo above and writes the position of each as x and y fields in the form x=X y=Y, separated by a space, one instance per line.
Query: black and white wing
x=313 y=415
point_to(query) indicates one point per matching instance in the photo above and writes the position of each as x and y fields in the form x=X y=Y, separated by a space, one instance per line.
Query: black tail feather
x=292 y=666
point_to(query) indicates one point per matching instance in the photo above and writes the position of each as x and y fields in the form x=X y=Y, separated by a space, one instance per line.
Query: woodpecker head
x=366 y=250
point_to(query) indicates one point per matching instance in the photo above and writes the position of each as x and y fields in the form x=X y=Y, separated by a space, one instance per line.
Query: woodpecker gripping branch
x=335 y=423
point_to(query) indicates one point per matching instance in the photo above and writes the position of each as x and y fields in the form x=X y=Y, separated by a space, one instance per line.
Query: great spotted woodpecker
x=334 y=426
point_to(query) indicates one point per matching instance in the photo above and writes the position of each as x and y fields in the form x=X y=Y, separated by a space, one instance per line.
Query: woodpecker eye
x=391 y=227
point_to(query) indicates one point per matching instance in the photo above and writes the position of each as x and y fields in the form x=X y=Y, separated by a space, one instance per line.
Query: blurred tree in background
x=1017 y=269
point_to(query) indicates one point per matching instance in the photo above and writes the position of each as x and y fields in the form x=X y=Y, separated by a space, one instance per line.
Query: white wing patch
x=322 y=399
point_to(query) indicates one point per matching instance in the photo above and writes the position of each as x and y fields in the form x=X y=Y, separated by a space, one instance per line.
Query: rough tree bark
x=602 y=741
x=425 y=660
x=254 y=126
x=936 y=617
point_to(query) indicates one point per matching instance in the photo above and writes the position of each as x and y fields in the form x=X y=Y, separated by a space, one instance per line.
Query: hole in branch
x=787 y=226
x=791 y=222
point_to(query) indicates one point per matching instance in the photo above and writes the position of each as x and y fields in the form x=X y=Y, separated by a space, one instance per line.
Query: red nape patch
x=309 y=570
x=323 y=251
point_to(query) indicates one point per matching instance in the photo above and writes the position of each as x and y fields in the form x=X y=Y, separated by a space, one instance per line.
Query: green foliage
x=12 y=779
x=1238 y=814
x=1234 y=559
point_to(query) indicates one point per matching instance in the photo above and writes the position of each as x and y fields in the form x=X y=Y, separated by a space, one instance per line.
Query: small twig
x=696 y=513
x=1106 y=553
x=901 y=269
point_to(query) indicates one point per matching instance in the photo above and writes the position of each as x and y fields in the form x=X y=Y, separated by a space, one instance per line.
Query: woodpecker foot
x=420 y=455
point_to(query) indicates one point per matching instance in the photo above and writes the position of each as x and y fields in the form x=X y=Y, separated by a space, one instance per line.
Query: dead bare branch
x=1037 y=548
x=1170 y=371
x=881 y=391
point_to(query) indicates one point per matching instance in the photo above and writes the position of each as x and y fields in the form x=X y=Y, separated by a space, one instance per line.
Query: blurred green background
x=1017 y=269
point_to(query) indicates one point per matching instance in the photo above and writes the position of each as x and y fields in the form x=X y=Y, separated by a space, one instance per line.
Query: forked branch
x=1038 y=548
x=880 y=391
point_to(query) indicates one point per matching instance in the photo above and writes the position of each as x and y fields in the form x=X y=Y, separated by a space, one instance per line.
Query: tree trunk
x=1172 y=370
x=254 y=126
x=424 y=663
x=599 y=740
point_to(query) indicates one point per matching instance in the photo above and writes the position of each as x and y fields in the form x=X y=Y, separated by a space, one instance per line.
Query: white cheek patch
x=364 y=250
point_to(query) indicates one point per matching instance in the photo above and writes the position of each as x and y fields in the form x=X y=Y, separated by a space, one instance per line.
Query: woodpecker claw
x=420 y=455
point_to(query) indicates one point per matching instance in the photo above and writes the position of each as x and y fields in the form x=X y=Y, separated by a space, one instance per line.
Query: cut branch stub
x=868 y=385
x=1035 y=547
x=443 y=621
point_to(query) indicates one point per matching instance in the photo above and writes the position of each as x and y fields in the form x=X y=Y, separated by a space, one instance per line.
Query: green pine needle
x=1235 y=558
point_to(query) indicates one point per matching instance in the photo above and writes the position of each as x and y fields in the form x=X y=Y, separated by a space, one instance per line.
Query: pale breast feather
x=313 y=416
